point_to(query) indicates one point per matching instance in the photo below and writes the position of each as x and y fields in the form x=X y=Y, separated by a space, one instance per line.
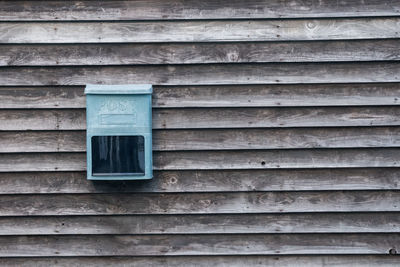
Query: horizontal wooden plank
x=199 y=31
x=43 y=141
x=275 y=117
x=42 y=97
x=200 y=203
x=270 y=95
x=206 y=9
x=42 y=120
x=205 y=139
x=206 y=181
x=42 y=162
x=203 y=224
x=217 y=96
x=275 y=159
x=218 y=160
x=198 y=53
x=194 y=118
x=206 y=261
x=152 y=245
x=267 y=73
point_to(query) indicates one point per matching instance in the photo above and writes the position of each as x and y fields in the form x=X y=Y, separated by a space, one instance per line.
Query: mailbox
x=118 y=136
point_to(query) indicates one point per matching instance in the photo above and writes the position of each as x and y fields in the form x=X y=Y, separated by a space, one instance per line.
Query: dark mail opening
x=117 y=155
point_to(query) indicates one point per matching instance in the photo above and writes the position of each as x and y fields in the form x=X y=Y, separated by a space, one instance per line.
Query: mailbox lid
x=120 y=89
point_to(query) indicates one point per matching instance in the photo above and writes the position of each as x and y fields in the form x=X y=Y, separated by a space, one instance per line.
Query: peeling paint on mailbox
x=118 y=136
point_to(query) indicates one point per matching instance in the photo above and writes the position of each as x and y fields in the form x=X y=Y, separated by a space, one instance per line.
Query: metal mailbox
x=118 y=136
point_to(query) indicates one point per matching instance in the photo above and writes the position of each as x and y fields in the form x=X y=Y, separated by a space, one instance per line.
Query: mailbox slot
x=118 y=155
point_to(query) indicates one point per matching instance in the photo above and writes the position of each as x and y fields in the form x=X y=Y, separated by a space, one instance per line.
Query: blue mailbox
x=118 y=136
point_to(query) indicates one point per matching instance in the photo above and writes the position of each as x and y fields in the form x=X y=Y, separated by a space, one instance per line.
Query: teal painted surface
x=119 y=89
x=120 y=110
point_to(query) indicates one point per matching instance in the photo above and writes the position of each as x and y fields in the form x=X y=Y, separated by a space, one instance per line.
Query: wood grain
x=218 y=160
x=152 y=245
x=42 y=162
x=207 y=139
x=206 y=261
x=42 y=97
x=276 y=95
x=276 y=159
x=275 y=117
x=206 y=9
x=199 y=203
x=194 y=118
x=299 y=95
x=219 y=74
x=206 y=181
x=285 y=111
x=199 y=31
x=42 y=141
x=213 y=139
x=198 y=53
x=73 y=119
x=203 y=224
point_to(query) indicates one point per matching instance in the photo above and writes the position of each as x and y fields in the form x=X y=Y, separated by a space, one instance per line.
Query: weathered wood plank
x=267 y=73
x=200 y=203
x=206 y=261
x=213 y=139
x=194 y=118
x=217 y=160
x=152 y=245
x=267 y=138
x=218 y=96
x=203 y=224
x=43 y=97
x=43 y=141
x=275 y=117
x=275 y=159
x=199 y=31
x=43 y=162
x=206 y=9
x=276 y=95
x=206 y=181
x=43 y=119
x=198 y=53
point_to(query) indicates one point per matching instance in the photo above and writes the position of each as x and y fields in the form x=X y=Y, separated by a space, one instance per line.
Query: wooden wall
x=276 y=133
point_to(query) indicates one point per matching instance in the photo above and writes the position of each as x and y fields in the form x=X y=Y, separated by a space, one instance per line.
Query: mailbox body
x=118 y=136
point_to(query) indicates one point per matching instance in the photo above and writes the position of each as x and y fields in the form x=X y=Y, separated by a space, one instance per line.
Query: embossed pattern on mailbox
x=118 y=136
